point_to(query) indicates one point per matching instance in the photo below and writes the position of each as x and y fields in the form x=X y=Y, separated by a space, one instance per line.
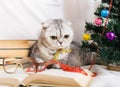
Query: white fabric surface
x=104 y=78
x=21 y=19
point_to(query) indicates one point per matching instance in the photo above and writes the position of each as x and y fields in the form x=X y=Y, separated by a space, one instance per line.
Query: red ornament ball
x=98 y=21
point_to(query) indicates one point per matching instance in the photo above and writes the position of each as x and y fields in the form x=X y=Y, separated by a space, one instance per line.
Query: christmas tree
x=103 y=35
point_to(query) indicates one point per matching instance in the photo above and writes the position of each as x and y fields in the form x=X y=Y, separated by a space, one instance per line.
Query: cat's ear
x=44 y=25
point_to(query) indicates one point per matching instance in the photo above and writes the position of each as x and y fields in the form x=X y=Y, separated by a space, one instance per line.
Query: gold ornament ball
x=86 y=37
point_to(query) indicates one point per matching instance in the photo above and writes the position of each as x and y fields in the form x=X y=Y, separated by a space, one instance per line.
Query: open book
x=50 y=78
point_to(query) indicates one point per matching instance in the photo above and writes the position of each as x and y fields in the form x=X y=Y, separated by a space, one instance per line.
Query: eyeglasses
x=28 y=65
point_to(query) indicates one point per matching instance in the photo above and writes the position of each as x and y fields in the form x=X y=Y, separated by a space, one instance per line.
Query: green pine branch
x=93 y=28
x=108 y=50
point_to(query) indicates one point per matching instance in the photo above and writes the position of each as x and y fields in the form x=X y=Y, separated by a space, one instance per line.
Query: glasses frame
x=19 y=63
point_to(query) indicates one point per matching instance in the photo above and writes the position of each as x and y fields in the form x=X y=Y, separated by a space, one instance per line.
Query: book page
x=77 y=77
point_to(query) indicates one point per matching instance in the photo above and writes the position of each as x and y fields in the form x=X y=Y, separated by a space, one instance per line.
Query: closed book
x=5 y=44
x=15 y=48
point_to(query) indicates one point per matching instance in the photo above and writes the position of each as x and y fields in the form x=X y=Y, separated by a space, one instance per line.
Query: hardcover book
x=15 y=48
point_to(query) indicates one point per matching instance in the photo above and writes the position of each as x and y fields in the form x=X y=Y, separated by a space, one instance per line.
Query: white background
x=21 y=19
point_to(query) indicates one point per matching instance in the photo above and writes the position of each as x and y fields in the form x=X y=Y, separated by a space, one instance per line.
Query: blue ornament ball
x=104 y=13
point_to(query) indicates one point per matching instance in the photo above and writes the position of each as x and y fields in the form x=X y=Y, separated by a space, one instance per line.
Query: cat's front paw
x=53 y=66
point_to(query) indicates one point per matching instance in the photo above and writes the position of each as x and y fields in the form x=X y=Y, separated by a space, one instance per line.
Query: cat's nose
x=60 y=42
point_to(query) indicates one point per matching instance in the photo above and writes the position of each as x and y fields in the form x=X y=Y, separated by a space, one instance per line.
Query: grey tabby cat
x=56 y=34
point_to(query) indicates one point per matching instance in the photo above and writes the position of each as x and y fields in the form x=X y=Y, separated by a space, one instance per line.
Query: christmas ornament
x=98 y=21
x=110 y=36
x=86 y=37
x=104 y=13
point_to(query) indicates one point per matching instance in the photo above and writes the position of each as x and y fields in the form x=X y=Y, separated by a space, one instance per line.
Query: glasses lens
x=9 y=65
x=28 y=66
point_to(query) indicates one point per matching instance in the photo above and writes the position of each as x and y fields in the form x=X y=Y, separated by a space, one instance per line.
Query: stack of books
x=14 y=48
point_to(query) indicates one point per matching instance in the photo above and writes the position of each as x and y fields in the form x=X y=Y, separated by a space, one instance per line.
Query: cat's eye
x=53 y=37
x=66 y=36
